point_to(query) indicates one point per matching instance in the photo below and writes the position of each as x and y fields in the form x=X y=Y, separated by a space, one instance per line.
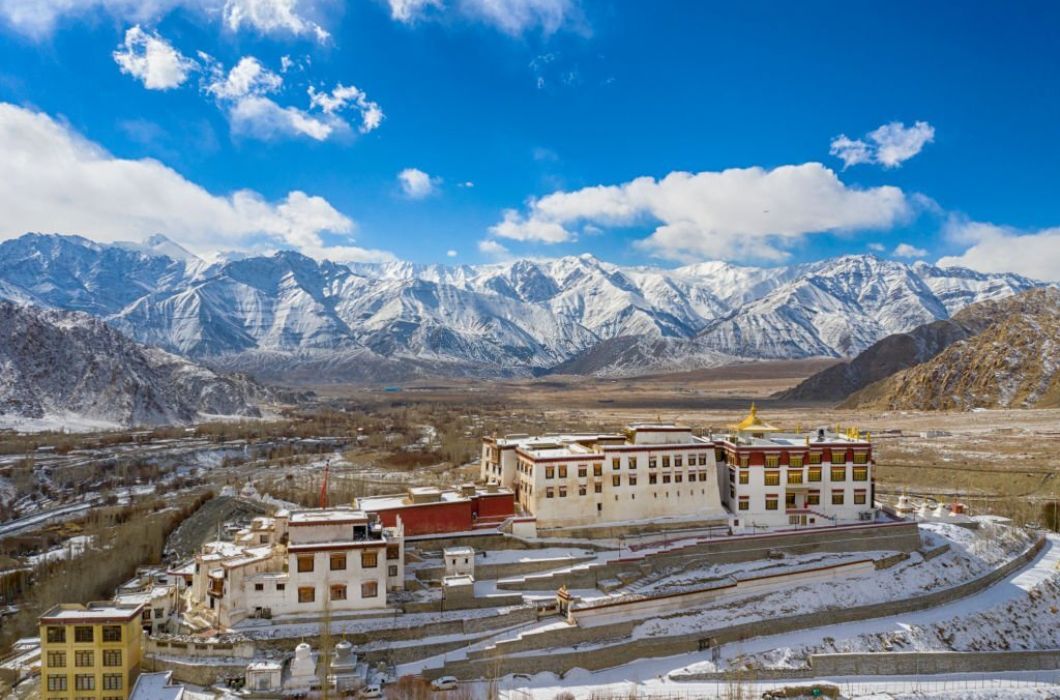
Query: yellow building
x=90 y=653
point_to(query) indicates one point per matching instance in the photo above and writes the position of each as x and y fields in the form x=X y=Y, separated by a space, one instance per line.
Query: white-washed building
x=649 y=471
x=300 y=563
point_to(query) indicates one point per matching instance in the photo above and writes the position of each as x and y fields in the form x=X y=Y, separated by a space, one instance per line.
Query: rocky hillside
x=1011 y=362
x=65 y=369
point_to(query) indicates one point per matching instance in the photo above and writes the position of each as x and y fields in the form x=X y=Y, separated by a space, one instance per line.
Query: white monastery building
x=298 y=563
x=752 y=476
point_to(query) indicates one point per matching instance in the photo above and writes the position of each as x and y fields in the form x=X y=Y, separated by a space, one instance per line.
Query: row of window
x=772 y=478
x=631 y=480
x=338 y=591
x=337 y=560
x=813 y=498
x=85 y=681
x=794 y=460
x=56 y=634
x=83 y=659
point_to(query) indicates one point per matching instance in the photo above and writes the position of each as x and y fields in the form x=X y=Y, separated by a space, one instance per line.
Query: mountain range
x=289 y=317
x=68 y=369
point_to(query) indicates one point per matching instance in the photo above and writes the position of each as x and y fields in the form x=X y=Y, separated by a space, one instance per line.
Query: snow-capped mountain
x=573 y=313
x=67 y=367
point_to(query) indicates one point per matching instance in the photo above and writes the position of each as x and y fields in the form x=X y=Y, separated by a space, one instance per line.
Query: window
x=112 y=657
x=813 y=474
x=678 y=461
x=789 y=500
x=83 y=634
x=550 y=492
x=839 y=474
x=306 y=594
x=392 y=570
x=813 y=498
x=679 y=477
x=281 y=586
x=861 y=458
x=632 y=481
x=772 y=461
x=338 y=562
x=861 y=473
x=84 y=659
x=56 y=635
x=795 y=461
x=837 y=498
x=369 y=559
x=616 y=463
x=652 y=463
x=84 y=681
x=56 y=682
x=745 y=460
x=771 y=502
x=563 y=471
x=562 y=491
x=794 y=477
x=369 y=589
x=56 y=659
x=745 y=476
x=111 y=681
x=111 y=633
x=772 y=478
x=582 y=471
x=259 y=586
x=393 y=552
x=703 y=459
x=666 y=461
x=616 y=480
x=550 y=472
x=652 y=478
x=859 y=498
x=598 y=487
x=305 y=564
x=815 y=458
x=581 y=490
x=745 y=503
x=666 y=478
x=338 y=592
x=598 y=469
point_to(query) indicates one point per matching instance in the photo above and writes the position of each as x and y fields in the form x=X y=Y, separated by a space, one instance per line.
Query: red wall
x=448 y=516
x=496 y=505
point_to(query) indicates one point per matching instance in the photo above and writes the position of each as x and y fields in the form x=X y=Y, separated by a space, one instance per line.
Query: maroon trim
x=333 y=547
x=347 y=521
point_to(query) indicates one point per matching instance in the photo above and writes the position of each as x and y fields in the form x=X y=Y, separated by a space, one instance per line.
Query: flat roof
x=795 y=440
x=458 y=551
x=68 y=614
x=326 y=516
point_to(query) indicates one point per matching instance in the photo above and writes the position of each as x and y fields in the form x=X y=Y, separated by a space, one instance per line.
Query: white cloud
x=271 y=17
x=877 y=247
x=993 y=248
x=348 y=97
x=451 y=253
x=416 y=184
x=38 y=18
x=152 y=60
x=890 y=145
x=411 y=10
x=905 y=250
x=244 y=94
x=741 y=213
x=492 y=248
x=57 y=181
x=467 y=185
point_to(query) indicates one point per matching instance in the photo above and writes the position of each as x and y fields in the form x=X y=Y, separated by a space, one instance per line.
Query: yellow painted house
x=90 y=652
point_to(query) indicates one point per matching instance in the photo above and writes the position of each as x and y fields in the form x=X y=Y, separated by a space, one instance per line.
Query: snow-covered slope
x=75 y=369
x=504 y=318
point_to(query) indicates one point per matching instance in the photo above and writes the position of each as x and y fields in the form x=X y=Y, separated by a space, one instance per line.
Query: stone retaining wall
x=918 y=662
x=600 y=654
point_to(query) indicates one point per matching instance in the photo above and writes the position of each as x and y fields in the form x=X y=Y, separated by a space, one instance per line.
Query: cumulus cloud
x=57 y=181
x=741 y=213
x=152 y=60
x=890 y=145
x=245 y=94
x=905 y=250
x=271 y=17
x=411 y=10
x=416 y=184
x=492 y=248
x=451 y=253
x=993 y=248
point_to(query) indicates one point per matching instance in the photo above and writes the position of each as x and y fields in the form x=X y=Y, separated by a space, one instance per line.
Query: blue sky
x=644 y=133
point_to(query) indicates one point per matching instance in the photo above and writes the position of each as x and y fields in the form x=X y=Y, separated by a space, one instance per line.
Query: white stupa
x=302 y=673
